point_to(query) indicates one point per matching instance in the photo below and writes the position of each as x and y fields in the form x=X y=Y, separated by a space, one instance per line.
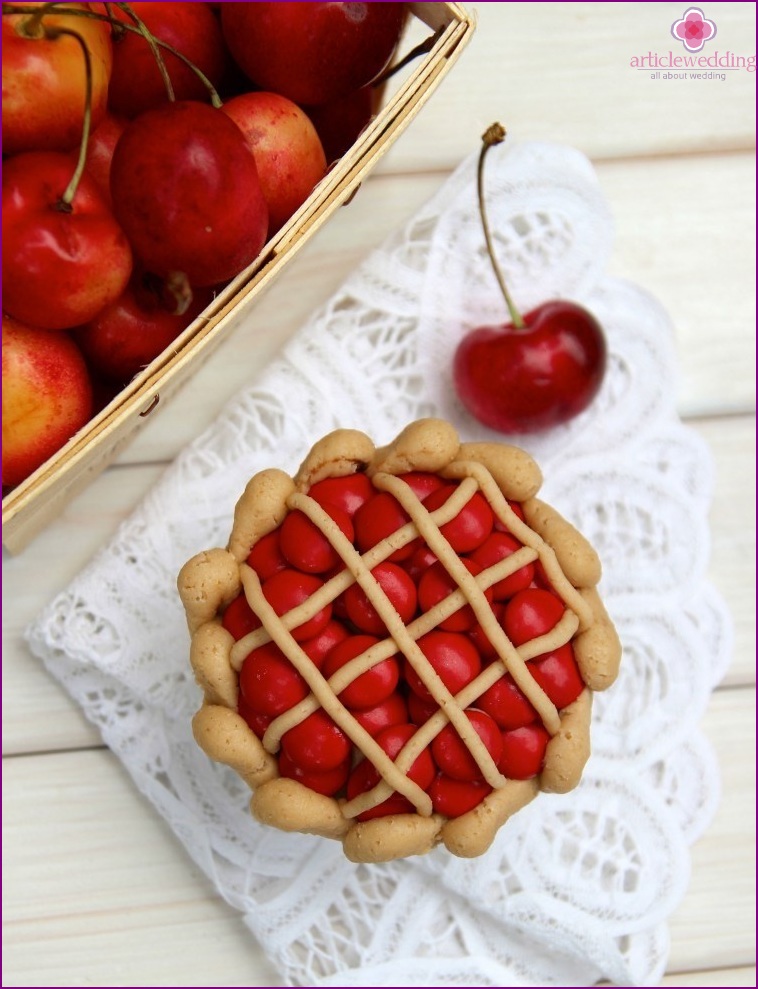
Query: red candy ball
x=391 y=711
x=558 y=675
x=317 y=744
x=507 y=705
x=289 y=588
x=239 y=618
x=452 y=656
x=365 y=776
x=451 y=797
x=346 y=493
x=398 y=587
x=303 y=544
x=497 y=547
x=328 y=782
x=266 y=556
x=452 y=755
x=523 y=752
x=269 y=682
x=436 y=584
x=531 y=613
x=371 y=687
x=377 y=519
x=319 y=647
x=471 y=525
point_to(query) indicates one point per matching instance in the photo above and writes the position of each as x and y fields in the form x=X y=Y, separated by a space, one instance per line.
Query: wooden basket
x=42 y=496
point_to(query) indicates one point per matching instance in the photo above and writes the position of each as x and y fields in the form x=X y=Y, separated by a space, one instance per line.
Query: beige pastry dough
x=503 y=474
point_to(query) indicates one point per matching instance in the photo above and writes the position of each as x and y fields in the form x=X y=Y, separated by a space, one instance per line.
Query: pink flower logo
x=693 y=29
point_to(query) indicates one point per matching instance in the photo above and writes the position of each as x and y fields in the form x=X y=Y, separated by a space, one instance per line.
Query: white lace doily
x=576 y=887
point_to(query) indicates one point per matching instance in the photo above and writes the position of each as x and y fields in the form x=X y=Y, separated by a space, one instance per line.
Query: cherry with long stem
x=495 y=134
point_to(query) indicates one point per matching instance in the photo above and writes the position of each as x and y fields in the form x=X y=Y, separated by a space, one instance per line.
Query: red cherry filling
x=452 y=755
x=239 y=618
x=365 y=776
x=303 y=544
x=436 y=584
x=286 y=590
x=390 y=699
x=346 y=493
x=452 y=656
x=377 y=519
x=397 y=586
x=531 y=613
x=329 y=782
x=455 y=797
x=269 y=682
x=316 y=744
x=471 y=525
x=523 y=752
x=497 y=547
x=266 y=556
x=371 y=687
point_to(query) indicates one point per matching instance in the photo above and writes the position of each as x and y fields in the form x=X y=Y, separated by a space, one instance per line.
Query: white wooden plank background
x=96 y=889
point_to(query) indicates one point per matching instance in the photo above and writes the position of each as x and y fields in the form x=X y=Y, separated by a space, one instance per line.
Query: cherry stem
x=495 y=134
x=60 y=8
x=152 y=43
x=52 y=33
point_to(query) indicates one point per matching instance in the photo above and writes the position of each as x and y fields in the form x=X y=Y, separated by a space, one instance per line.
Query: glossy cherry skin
x=312 y=52
x=526 y=380
x=185 y=189
x=44 y=79
x=60 y=267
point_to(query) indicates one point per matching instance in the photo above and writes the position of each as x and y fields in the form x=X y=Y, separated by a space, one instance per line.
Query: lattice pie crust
x=212 y=579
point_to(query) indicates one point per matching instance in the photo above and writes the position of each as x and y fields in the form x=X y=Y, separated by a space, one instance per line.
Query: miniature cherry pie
x=399 y=646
